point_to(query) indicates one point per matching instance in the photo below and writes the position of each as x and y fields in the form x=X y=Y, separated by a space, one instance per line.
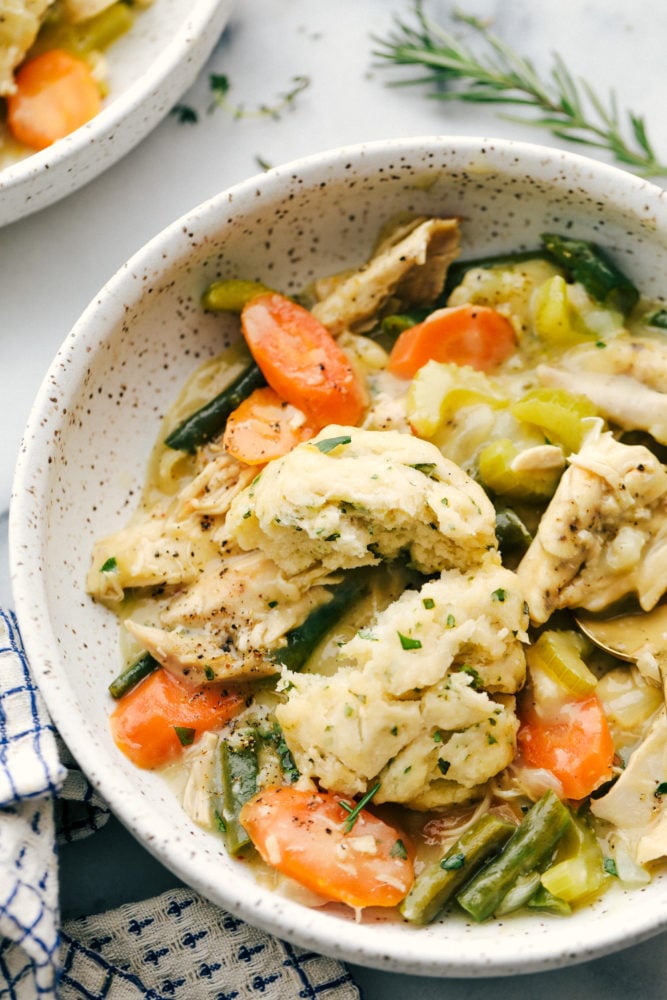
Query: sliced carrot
x=573 y=742
x=264 y=426
x=55 y=94
x=301 y=361
x=162 y=715
x=303 y=835
x=478 y=336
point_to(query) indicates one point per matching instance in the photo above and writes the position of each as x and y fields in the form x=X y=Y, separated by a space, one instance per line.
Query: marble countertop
x=52 y=263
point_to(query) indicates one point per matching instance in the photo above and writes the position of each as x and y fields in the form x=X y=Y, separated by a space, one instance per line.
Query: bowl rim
x=83 y=154
x=350 y=941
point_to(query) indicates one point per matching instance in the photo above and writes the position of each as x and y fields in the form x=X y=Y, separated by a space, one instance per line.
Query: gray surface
x=52 y=264
x=111 y=868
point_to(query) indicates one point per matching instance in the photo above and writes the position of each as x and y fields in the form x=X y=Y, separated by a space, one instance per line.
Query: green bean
x=519 y=894
x=436 y=885
x=511 y=532
x=209 y=420
x=234 y=783
x=131 y=676
x=657 y=318
x=274 y=743
x=532 y=843
x=231 y=295
x=302 y=640
x=545 y=900
x=588 y=264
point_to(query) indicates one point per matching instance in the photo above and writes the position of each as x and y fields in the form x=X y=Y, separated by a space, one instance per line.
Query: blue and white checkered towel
x=175 y=946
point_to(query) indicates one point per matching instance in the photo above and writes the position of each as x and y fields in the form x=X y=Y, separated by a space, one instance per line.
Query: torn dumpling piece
x=352 y=497
x=604 y=533
x=421 y=700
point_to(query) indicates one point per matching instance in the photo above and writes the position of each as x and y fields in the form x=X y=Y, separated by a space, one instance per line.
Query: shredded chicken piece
x=625 y=379
x=225 y=624
x=169 y=542
x=604 y=534
x=632 y=804
x=409 y=267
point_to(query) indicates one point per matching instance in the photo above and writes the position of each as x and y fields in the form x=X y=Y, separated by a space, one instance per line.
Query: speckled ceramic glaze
x=86 y=446
x=149 y=69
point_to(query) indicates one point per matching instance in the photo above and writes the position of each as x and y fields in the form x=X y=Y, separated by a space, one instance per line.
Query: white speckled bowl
x=93 y=423
x=149 y=69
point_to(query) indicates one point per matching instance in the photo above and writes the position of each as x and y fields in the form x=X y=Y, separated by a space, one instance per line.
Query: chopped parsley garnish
x=409 y=643
x=451 y=864
x=476 y=684
x=110 y=565
x=356 y=809
x=443 y=765
x=328 y=444
x=185 y=114
x=186 y=735
x=209 y=673
x=658 y=318
x=428 y=603
x=609 y=866
x=398 y=850
x=427 y=468
x=499 y=595
x=451 y=621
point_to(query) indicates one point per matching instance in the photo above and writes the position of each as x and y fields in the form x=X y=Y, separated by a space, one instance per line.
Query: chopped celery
x=561 y=414
x=440 y=389
x=628 y=701
x=558 y=654
x=543 y=900
x=556 y=321
x=578 y=872
x=231 y=295
x=496 y=474
x=85 y=37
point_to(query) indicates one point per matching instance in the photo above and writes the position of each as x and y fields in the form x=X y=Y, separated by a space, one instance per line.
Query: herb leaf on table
x=567 y=106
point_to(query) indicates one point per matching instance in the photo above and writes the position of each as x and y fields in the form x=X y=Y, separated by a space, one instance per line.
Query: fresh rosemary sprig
x=569 y=108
